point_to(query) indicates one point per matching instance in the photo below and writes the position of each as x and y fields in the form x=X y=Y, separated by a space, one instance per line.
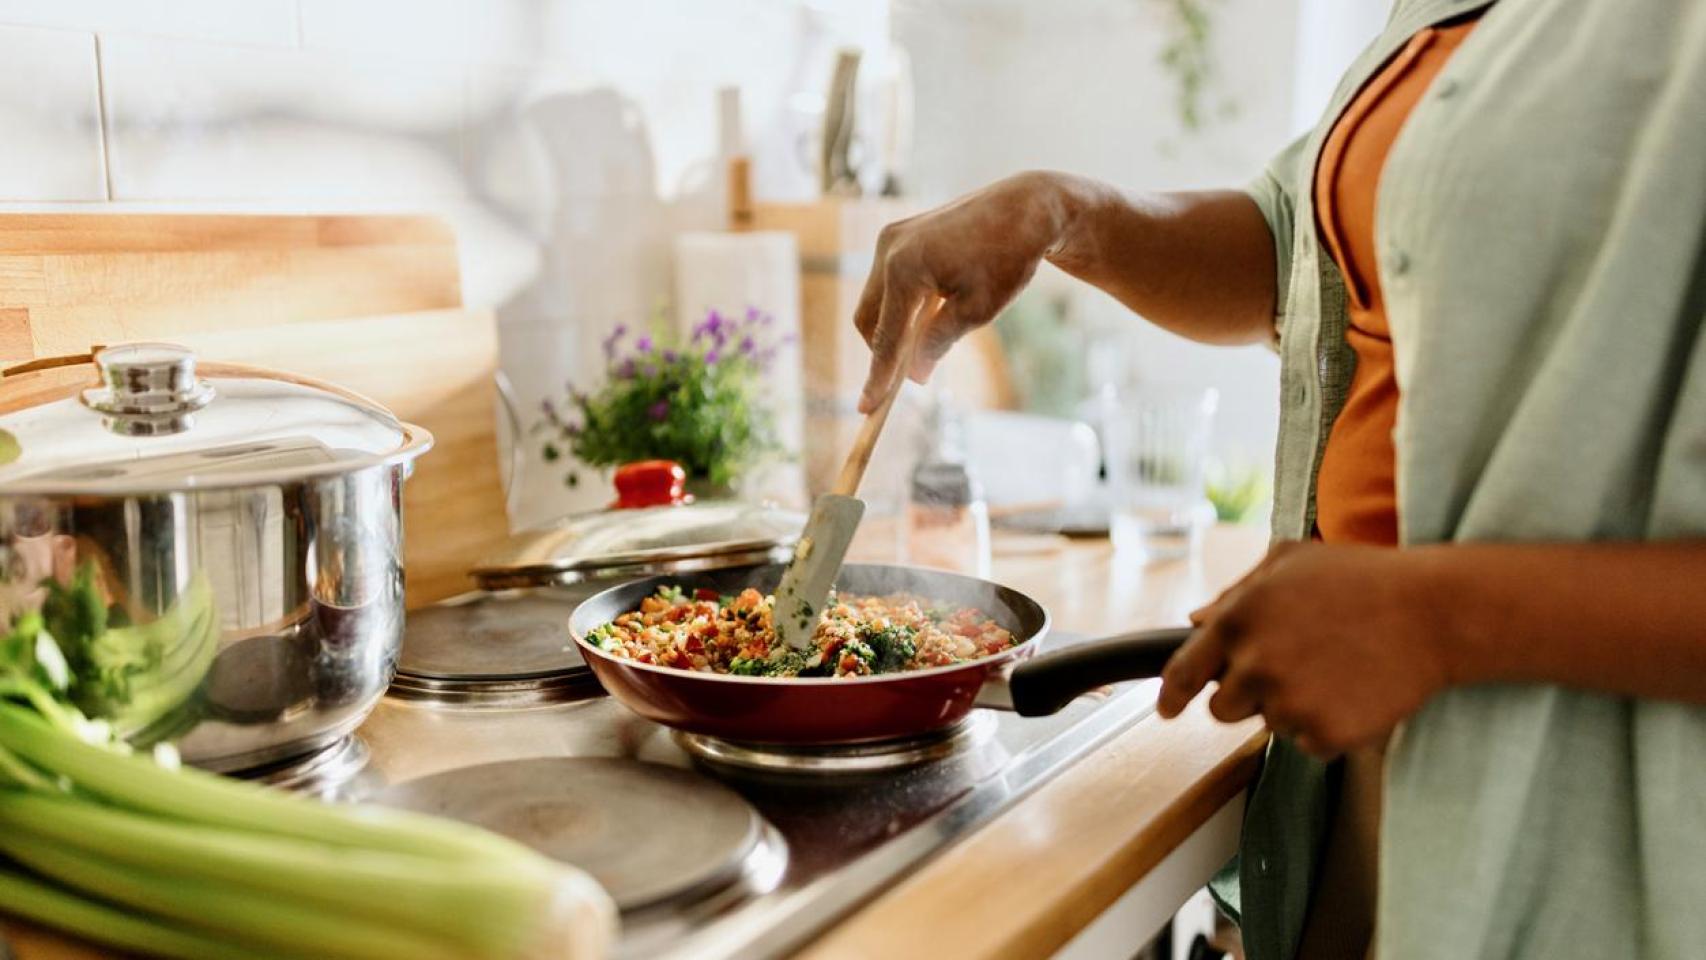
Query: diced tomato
x=678 y=614
x=849 y=664
x=705 y=593
x=695 y=644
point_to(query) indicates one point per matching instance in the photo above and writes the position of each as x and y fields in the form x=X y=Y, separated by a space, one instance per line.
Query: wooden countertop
x=1082 y=839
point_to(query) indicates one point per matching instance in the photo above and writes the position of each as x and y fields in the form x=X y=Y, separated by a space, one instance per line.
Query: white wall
x=1005 y=85
x=565 y=140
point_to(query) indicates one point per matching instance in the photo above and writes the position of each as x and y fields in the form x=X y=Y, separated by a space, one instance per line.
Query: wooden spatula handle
x=858 y=458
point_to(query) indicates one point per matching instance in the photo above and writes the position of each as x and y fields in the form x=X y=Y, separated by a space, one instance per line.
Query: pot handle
x=1043 y=685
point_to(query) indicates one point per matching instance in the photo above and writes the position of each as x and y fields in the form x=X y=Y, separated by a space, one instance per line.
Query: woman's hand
x=1200 y=264
x=978 y=252
x=1334 y=645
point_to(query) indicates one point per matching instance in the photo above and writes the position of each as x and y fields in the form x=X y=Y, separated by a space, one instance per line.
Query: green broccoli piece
x=892 y=647
x=860 y=651
x=785 y=663
x=602 y=636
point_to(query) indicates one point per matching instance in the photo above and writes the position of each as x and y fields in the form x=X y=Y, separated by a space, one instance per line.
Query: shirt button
x=1397 y=262
x=1446 y=88
x=1263 y=867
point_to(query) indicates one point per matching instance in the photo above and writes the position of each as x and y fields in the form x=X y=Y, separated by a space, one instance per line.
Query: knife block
x=837 y=240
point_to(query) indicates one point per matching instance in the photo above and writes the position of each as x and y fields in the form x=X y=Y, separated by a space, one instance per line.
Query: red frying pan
x=822 y=710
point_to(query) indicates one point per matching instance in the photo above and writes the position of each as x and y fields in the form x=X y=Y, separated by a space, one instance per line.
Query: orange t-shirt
x=1356 y=498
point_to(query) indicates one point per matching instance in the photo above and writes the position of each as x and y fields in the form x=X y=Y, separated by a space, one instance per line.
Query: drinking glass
x=1157 y=443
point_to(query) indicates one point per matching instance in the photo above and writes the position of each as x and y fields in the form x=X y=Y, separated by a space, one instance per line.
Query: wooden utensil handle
x=858 y=458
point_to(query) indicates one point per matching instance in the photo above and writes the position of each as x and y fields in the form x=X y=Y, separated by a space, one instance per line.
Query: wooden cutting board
x=372 y=303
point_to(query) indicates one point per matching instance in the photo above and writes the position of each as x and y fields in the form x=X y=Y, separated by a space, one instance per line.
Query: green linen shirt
x=1541 y=229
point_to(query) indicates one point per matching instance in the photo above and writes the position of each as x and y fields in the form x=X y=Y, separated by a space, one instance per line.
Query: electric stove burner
x=323 y=773
x=650 y=834
x=865 y=757
x=494 y=649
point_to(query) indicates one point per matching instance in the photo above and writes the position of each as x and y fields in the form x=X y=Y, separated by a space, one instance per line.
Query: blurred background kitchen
x=617 y=171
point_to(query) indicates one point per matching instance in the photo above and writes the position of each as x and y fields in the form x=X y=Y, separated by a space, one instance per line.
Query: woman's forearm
x=1623 y=618
x=1200 y=264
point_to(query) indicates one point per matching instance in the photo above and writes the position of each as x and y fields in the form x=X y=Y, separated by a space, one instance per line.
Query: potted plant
x=696 y=402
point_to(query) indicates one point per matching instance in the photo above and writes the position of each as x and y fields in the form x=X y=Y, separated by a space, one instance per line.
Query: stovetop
x=825 y=835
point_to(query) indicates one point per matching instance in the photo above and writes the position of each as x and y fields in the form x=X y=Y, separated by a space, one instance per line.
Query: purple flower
x=711 y=356
x=669 y=356
x=644 y=344
x=614 y=338
x=626 y=370
x=658 y=411
x=713 y=326
x=748 y=345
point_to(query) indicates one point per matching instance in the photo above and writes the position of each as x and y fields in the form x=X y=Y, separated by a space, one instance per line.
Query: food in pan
x=856 y=635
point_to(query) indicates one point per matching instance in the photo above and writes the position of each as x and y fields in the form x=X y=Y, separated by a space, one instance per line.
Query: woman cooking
x=1480 y=636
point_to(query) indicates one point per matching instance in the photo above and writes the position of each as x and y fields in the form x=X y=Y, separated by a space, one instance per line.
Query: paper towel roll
x=731 y=272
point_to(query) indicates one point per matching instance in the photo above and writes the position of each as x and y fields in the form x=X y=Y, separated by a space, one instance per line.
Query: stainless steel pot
x=240 y=530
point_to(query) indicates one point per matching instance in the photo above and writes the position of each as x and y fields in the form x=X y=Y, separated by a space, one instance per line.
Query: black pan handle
x=1043 y=685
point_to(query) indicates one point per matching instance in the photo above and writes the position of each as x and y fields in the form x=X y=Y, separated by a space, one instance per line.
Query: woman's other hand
x=1334 y=645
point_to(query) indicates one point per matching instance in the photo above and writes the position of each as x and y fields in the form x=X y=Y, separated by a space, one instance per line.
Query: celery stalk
x=51 y=906
x=199 y=797
x=224 y=910
x=14 y=771
x=491 y=907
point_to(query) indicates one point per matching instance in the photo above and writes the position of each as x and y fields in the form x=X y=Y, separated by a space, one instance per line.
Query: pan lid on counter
x=611 y=544
x=144 y=417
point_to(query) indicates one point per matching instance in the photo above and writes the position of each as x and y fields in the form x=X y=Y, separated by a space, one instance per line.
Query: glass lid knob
x=147 y=388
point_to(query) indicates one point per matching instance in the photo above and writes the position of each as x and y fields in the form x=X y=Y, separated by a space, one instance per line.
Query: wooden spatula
x=835 y=515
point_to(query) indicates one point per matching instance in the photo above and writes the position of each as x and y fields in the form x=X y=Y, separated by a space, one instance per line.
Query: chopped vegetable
x=892 y=645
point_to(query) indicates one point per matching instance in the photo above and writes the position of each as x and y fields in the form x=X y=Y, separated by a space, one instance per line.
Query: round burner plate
x=494 y=636
x=648 y=833
x=866 y=757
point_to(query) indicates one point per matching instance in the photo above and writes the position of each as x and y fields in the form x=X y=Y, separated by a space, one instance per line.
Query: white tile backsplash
x=50 y=111
x=271 y=22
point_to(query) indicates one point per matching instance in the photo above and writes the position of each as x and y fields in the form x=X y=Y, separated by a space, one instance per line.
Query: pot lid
x=634 y=542
x=144 y=416
x=493 y=636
